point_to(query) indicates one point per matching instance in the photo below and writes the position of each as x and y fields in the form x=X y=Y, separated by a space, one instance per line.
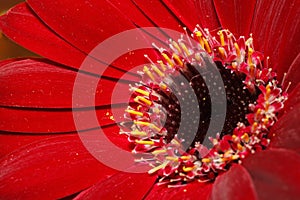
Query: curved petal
x=50 y=169
x=24 y=27
x=11 y=142
x=275 y=173
x=42 y=84
x=234 y=184
x=293 y=74
x=90 y=29
x=286 y=132
x=195 y=190
x=208 y=15
x=160 y=15
x=119 y=186
x=185 y=11
x=293 y=99
x=276 y=32
x=236 y=15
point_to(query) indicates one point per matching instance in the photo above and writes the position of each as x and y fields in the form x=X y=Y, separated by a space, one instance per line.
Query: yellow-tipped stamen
x=240 y=147
x=147 y=71
x=139 y=99
x=200 y=39
x=138 y=133
x=176 y=46
x=156 y=152
x=157 y=71
x=185 y=49
x=153 y=126
x=222 y=40
x=237 y=49
x=169 y=61
x=235 y=157
x=187 y=169
x=245 y=137
x=268 y=92
x=143 y=92
x=177 y=59
x=162 y=65
x=144 y=142
x=157 y=168
x=222 y=52
x=250 y=52
x=185 y=157
x=206 y=160
x=172 y=158
x=134 y=112
x=206 y=45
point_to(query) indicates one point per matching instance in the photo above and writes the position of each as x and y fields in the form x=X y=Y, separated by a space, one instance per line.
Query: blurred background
x=9 y=49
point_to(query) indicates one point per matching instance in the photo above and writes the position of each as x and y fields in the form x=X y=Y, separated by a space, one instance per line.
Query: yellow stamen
x=162 y=65
x=177 y=59
x=133 y=112
x=206 y=160
x=157 y=71
x=240 y=147
x=157 y=168
x=172 y=158
x=235 y=157
x=268 y=92
x=159 y=151
x=176 y=46
x=147 y=71
x=138 y=133
x=222 y=52
x=245 y=137
x=187 y=169
x=144 y=142
x=185 y=157
x=206 y=45
x=250 y=52
x=222 y=38
x=185 y=49
x=147 y=124
x=199 y=36
x=169 y=61
x=237 y=49
x=146 y=93
x=139 y=99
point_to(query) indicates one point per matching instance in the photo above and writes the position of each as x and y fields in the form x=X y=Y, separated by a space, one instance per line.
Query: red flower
x=42 y=155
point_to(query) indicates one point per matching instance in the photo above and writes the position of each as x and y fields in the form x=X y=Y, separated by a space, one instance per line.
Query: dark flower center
x=180 y=96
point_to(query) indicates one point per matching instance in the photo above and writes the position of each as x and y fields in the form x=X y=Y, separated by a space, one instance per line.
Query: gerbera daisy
x=255 y=155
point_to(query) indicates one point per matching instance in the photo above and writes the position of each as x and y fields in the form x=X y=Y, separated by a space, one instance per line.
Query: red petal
x=50 y=169
x=286 y=132
x=120 y=186
x=185 y=11
x=22 y=26
x=159 y=14
x=11 y=142
x=130 y=11
x=37 y=121
x=293 y=99
x=207 y=14
x=40 y=83
x=95 y=20
x=276 y=32
x=236 y=15
x=275 y=174
x=234 y=184
x=293 y=74
x=190 y=191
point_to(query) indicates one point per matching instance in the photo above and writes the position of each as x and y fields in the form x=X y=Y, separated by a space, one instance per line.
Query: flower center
x=172 y=107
